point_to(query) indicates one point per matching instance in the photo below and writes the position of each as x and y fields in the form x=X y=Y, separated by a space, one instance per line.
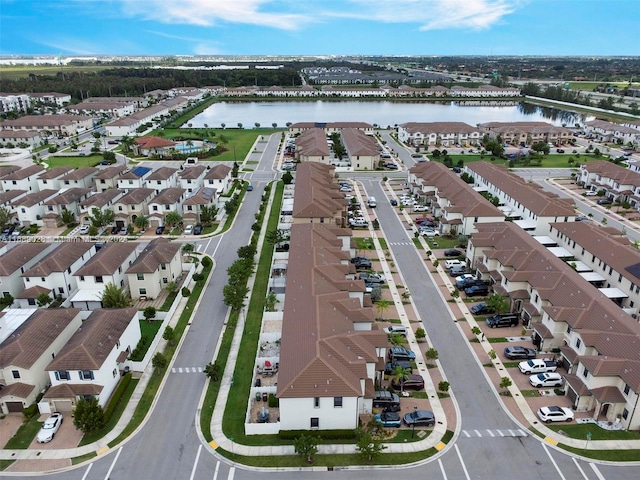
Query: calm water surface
x=383 y=113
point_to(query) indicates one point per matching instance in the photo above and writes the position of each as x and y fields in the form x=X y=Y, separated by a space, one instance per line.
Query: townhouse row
x=361 y=149
x=35 y=196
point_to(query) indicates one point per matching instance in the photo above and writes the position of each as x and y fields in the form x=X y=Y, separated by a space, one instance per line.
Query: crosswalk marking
x=186 y=370
x=401 y=243
x=492 y=433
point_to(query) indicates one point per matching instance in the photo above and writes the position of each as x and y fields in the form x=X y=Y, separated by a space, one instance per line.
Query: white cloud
x=268 y=13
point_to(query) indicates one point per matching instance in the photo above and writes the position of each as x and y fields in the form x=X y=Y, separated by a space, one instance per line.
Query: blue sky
x=320 y=27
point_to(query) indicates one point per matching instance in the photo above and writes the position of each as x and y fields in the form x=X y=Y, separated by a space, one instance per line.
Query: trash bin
x=258 y=396
x=258 y=382
x=265 y=396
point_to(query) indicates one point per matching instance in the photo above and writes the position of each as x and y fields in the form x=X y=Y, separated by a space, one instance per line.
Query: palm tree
x=188 y=249
x=400 y=375
x=383 y=306
x=114 y=297
x=173 y=218
x=141 y=222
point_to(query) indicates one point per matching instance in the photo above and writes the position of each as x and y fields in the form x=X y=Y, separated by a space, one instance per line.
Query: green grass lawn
x=25 y=435
x=15 y=72
x=74 y=161
x=580 y=431
x=548 y=161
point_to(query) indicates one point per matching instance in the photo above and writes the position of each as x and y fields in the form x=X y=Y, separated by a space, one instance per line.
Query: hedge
x=117 y=394
x=324 y=434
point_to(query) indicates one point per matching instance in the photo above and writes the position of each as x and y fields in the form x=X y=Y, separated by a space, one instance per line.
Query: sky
x=320 y=27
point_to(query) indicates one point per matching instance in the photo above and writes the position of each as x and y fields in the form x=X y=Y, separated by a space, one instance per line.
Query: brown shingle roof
x=136 y=196
x=31 y=199
x=19 y=390
x=162 y=173
x=59 y=259
x=89 y=347
x=73 y=390
x=32 y=339
x=18 y=256
x=23 y=173
x=169 y=196
x=107 y=260
x=218 y=172
x=160 y=250
x=80 y=173
x=110 y=172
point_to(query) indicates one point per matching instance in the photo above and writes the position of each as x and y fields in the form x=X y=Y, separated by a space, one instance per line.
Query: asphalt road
x=167 y=445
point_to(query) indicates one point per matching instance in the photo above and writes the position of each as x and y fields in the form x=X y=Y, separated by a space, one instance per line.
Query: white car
x=84 y=229
x=464 y=277
x=430 y=233
x=555 y=414
x=546 y=380
x=453 y=263
x=49 y=428
x=420 y=208
x=590 y=193
x=538 y=365
x=188 y=230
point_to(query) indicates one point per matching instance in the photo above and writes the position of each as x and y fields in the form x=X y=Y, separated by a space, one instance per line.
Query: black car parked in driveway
x=160 y=230
x=474 y=290
x=390 y=366
x=197 y=230
x=452 y=252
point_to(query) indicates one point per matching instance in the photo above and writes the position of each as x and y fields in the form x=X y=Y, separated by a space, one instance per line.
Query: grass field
x=74 y=161
x=548 y=161
x=14 y=72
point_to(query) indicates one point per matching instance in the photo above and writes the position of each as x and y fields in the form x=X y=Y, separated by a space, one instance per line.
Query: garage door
x=14 y=407
x=63 y=405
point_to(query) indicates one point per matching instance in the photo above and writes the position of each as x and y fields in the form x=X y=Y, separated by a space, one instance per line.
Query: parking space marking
x=596 y=471
x=84 y=477
x=232 y=473
x=113 y=464
x=215 y=474
x=553 y=461
x=579 y=468
x=195 y=462
x=444 y=474
x=464 y=467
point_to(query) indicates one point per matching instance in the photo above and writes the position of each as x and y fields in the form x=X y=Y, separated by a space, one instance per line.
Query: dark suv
x=400 y=353
x=387 y=400
x=508 y=320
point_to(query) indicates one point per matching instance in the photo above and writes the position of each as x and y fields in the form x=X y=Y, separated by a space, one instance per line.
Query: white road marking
x=466 y=433
x=195 y=463
x=522 y=433
x=500 y=433
x=232 y=472
x=173 y=370
x=553 y=461
x=215 y=474
x=199 y=369
x=511 y=433
x=490 y=433
x=579 y=468
x=84 y=477
x=466 y=474
x=478 y=433
x=113 y=464
x=596 y=471
x=179 y=369
x=194 y=369
x=444 y=474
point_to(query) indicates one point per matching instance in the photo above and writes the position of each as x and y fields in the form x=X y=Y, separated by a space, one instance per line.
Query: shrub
x=206 y=262
x=29 y=412
x=326 y=434
x=197 y=277
x=116 y=396
x=185 y=292
x=273 y=401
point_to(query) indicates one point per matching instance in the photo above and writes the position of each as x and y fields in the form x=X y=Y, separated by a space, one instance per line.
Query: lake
x=383 y=113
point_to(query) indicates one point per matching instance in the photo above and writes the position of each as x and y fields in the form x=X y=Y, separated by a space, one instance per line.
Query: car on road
x=197 y=230
x=582 y=218
x=517 y=352
x=401 y=353
x=477 y=290
x=555 y=414
x=546 y=380
x=388 y=419
x=414 y=382
x=188 y=230
x=249 y=188
x=420 y=418
x=84 y=229
x=452 y=252
x=538 y=365
x=112 y=142
x=160 y=230
x=481 y=309
x=559 y=150
x=49 y=428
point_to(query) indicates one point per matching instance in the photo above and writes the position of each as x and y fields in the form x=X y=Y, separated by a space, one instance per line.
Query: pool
x=194 y=146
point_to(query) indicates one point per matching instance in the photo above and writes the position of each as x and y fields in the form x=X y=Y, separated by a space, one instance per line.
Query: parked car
x=123 y=231
x=457 y=271
x=453 y=263
x=115 y=230
x=604 y=201
x=590 y=193
x=481 y=309
x=559 y=150
x=188 y=230
x=452 y=252
x=538 y=365
x=430 y=233
x=388 y=419
x=420 y=208
x=160 y=230
x=464 y=276
x=546 y=380
x=414 y=382
x=555 y=414
x=49 y=428
x=391 y=166
x=197 y=230
x=84 y=229
x=394 y=202
x=363 y=264
x=517 y=352
x=401 y=329
x=508 y=320
x=358 y=222
x=389 y=367
x=420 y=418
x=582 y=218
x=477 y=290
x=401 y=353
x=387 y=400
x=372 y=277
x=288 y=166
x=469 y=282
x=359 y=259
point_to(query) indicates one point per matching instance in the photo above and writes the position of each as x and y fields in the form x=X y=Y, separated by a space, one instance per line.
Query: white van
x=372 y=202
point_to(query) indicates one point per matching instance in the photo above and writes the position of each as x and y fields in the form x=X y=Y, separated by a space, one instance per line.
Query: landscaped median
x=240 y=389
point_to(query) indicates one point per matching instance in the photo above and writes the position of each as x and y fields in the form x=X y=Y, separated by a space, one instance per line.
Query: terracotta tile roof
x=15 y=258
x=34 y=292
x=154 y=142
x=169 y=196
x=60 y=259
x=101 y=199
x=312 y=142
x=316 y=194
x=136 y=196
x=10 y=196
x=219 y=172
x=162 y=173
x=541 y=203
x=92 y=343
x=18 y=390
x=80 y=173
x=46 y=120
x=427 y=128
x=608 y=395
x=578 y=385
x=358 y=143
x=192 y=173
x=110 y=172
x=202 y=196
x=158 y=251
x=55 y=172
x=73 y=390
x=69 y=196
x=622 y=175
x=23 y=173
x=7 y=170
x=34 y=337
x=107 y=260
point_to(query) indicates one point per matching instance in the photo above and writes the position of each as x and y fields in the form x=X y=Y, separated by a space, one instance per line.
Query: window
x=32 y=301
x=115 y=372
x=626 y=388
x=337 y=402
x=85 y=375
x=61 y=289
x=163 y=266
x=62 y=375
x=143 y=291
x=315 y=422
x=15 y=373
x=316 y=402
x=165 y=280
x=99 y=279
x=82 y=278
x=140 y=276
x=578 y=342
x=568 y=328
x=585 y=373
x=625 y=413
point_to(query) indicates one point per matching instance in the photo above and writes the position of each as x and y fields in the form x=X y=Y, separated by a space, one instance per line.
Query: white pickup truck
x=538 y=365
